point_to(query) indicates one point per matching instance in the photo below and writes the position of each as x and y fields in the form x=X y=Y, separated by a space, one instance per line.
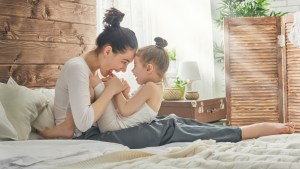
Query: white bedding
x=279 y=151
x=42 y=154
x=271 y=152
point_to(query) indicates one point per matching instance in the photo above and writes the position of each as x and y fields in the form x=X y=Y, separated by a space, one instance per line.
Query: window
x=186 y=25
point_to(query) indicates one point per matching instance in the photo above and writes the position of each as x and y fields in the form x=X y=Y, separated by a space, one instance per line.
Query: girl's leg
x=265 y=129
x=64 y=130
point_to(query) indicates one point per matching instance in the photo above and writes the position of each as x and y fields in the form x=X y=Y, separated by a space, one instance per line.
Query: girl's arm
x=129 y=106
x=127 y=89
x=112 y=86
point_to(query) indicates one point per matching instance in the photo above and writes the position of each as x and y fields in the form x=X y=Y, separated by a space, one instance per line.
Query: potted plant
x=172 y=57
x=180 y=84
x=244 y=8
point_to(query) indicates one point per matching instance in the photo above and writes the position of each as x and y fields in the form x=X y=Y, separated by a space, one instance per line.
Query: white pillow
x=7 y=131
x=22 y=106
x=45 y=119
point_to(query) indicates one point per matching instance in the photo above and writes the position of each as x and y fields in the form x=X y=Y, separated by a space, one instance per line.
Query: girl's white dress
x=111 y=120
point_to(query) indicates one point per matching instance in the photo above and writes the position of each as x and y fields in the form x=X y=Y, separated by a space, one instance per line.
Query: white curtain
x=186 y=25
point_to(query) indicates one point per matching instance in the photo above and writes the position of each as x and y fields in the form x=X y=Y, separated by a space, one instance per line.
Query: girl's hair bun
x=160 y=42
x=112 y=18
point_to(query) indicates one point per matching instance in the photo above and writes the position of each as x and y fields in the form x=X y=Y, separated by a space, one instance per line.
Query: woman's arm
x=129 y=106
x=84 y=113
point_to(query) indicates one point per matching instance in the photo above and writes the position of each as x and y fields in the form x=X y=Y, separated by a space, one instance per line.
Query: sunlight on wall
x=186 y=25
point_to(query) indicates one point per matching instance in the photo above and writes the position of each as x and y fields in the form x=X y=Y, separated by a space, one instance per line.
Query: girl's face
x=139 y=71
x=118 y=62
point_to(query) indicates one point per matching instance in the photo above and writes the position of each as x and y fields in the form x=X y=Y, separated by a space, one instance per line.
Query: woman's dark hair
x=156 y=54
x=119 y=38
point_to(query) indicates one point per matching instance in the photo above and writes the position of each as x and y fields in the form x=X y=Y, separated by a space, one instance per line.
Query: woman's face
x=118 y=62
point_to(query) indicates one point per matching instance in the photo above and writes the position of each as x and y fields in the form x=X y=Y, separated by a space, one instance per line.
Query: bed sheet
x=270 y=152
x=278 y=151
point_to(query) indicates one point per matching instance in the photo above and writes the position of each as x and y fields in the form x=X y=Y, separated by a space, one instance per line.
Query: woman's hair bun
x=112 y=18
x=160 y=42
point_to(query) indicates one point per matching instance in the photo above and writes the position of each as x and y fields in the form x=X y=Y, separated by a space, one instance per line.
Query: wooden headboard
x=38 y=36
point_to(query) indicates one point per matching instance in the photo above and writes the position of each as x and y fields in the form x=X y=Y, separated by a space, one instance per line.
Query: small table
x=210 y=110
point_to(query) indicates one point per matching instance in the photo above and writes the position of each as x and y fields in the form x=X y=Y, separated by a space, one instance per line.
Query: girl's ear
x=150 y=68
x=107 y=50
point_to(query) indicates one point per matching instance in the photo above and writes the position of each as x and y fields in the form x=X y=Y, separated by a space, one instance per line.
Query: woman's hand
x=113 y=84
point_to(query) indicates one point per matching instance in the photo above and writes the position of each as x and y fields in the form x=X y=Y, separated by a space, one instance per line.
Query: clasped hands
x=112 y=83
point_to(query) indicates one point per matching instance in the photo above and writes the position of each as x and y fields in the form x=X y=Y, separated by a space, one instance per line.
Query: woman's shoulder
x=76 y=63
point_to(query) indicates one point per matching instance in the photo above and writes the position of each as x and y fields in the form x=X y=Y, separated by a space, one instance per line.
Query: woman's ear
x=107 y=50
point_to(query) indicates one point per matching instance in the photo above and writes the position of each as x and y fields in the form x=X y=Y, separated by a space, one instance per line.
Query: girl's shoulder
x=152 y=86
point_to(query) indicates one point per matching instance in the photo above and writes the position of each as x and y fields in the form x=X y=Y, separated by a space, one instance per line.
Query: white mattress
x=279 y=151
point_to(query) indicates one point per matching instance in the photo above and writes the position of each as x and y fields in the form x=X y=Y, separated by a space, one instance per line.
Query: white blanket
x=42 y=154
x=271 y=152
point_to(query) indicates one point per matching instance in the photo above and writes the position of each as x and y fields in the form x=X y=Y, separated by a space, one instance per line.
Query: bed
x=29 y=150
x=33 y=48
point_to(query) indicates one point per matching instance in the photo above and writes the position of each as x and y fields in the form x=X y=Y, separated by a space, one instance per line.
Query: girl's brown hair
x=156 y=54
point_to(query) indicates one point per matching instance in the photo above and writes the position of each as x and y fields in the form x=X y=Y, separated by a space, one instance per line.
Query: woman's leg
x=64 y=130
x=265 y=129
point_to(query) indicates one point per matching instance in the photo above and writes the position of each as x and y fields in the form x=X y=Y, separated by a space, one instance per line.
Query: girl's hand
x=127 y=88
x=113 y=84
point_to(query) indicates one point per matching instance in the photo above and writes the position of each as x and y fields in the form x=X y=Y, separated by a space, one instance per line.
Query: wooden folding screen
x=253 y=70
x=291 y=67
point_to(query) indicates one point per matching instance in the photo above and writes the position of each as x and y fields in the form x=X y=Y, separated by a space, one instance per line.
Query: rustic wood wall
x=38 y=36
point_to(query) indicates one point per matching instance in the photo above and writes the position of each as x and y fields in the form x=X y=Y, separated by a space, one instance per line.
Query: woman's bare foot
x=64 y=130
x=59 y=131
x=265 y=129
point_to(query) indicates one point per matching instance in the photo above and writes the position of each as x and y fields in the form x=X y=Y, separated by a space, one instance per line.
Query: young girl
x=150 y=65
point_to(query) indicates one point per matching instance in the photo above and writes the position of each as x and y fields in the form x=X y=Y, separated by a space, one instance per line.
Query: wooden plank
x=31 y=75
x=39 y=52
x=40 y=30
x=88 y=2
x=54 y=10
x=252 y=21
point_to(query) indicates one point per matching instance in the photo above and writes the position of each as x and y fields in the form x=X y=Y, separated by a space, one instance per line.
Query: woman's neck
x=92 y=61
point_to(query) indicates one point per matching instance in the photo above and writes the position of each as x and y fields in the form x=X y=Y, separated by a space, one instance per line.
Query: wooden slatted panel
x=291 y=57
x=252 y=75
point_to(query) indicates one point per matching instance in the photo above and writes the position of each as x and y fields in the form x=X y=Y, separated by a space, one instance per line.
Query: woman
x=116 y=48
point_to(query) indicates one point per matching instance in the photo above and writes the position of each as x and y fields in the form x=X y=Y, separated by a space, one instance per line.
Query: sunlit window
x=185 y=24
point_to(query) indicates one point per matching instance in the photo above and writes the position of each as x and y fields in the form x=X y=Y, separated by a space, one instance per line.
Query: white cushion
x=7 y=131
x=22 y=105
x=45 y=119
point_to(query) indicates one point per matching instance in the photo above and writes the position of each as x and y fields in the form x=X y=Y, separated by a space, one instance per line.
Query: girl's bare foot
x=287 y=128
x=265 y=129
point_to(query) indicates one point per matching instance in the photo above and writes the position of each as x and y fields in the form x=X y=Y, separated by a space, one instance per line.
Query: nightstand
x=209 y=110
